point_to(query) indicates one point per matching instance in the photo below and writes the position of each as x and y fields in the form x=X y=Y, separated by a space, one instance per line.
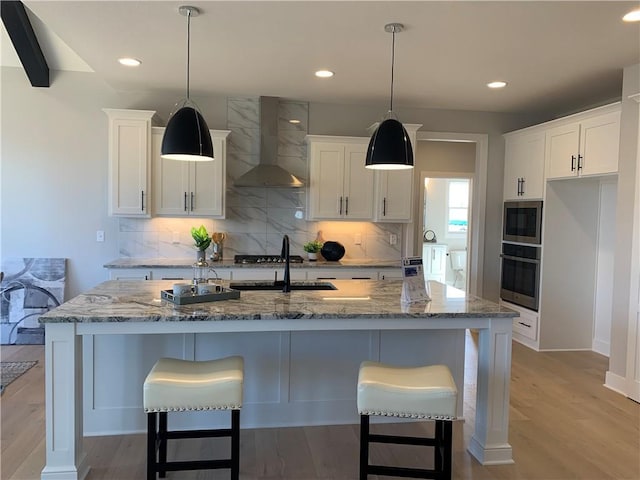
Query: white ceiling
x=556 y=56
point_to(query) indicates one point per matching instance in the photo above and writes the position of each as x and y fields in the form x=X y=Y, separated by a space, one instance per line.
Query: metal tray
x=225 y=294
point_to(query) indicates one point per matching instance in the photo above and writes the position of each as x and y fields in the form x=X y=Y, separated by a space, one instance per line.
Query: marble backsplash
x=257 y=218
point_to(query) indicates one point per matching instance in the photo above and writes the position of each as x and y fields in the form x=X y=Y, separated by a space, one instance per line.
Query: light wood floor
x=564 y=425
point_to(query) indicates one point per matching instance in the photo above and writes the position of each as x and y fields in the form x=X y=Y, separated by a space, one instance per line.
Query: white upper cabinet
x=340 y=187
x=190 y=188
x=394 y=195
x=587 y=146
x=129 y=162
x=524 y=165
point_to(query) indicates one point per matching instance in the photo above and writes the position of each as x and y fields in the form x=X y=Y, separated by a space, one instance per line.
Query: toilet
x=458 y=262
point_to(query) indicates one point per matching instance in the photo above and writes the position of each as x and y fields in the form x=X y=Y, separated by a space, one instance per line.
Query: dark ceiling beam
x=16 y=21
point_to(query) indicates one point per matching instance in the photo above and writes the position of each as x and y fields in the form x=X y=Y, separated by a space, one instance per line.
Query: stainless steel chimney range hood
x=267 y=173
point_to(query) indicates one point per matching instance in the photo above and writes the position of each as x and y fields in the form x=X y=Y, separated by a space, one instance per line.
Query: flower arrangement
x=312 y=247
x=201 y=238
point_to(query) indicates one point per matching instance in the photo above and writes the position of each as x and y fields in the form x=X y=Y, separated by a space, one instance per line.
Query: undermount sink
x=278 y=285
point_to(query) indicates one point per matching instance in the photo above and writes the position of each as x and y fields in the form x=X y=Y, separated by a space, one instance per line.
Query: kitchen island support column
x=490 y=440
x=65 y=455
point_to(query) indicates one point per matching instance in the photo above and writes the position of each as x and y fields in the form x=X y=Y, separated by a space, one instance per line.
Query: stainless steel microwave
x=522 y=222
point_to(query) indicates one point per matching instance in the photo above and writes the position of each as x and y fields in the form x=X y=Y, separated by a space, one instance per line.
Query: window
x=458 y=206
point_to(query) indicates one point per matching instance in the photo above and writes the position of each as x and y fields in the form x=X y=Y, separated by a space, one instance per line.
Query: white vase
x=312 y=256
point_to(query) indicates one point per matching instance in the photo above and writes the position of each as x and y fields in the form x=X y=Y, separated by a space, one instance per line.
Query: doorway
x=478 y=191
x=446 y=200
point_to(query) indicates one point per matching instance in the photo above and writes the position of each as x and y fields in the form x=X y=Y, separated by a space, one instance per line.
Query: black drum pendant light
x=187 y=135
x=390 y=147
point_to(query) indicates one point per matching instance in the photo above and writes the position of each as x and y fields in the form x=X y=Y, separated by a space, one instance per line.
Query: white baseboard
x=601 y=347
x=616 y=383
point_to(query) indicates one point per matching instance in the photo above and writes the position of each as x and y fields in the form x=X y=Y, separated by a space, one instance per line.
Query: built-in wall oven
x=522 y=222
x=520 y=279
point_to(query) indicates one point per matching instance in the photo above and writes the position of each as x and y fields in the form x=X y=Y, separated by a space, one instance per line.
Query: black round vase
x=332 y=251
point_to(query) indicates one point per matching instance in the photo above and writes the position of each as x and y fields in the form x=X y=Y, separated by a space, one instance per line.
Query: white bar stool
x=175 y=385
x=427 y=392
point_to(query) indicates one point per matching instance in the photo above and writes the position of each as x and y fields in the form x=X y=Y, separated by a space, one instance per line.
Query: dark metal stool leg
x=235 y=444
x=151 y=446
x=163 y=442
x=448 y=450
x=364 y=446
x=438 y=449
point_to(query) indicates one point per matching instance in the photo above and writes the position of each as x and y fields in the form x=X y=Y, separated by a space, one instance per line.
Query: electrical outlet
x=357 y=239
x=100 y=236
x=393 y=239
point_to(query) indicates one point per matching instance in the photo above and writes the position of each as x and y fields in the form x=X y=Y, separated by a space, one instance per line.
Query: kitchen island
x=302 y=351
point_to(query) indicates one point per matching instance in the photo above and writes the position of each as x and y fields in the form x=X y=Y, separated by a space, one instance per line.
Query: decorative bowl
x=332 y=251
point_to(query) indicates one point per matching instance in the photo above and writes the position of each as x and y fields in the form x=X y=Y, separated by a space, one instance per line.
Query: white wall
x=54 y=164
x=54 y=174
x=604 y=269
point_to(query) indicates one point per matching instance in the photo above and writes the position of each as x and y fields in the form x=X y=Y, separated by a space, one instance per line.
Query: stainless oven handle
x=520 y=259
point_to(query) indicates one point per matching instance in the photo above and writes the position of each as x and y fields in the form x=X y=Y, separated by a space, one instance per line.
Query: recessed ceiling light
x=632 y=16
x=497 y=84
x=129 y=62
x=324 y=73
x=294 y=121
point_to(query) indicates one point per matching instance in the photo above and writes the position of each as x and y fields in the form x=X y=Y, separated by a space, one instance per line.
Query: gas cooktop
x=268 y=259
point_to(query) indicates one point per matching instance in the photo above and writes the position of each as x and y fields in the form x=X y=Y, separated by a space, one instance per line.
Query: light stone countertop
x=188 y=263
x=140 y=301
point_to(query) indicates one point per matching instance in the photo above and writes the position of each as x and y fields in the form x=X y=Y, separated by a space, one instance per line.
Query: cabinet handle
x=433 y=254
x=522 y=186
x=384 y=207
x=346 y=205
x=580 y=157
x=185 y=201
x=525 y=324
x=340 y=206
x=192 y=201
x=518 y=192
x=573 y=163
x=142 y=200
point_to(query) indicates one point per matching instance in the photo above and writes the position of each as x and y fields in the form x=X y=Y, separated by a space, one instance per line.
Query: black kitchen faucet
x=287 y=260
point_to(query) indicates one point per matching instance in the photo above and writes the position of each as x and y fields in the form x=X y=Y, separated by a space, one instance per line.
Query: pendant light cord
x=393 y=52
x=188 y=48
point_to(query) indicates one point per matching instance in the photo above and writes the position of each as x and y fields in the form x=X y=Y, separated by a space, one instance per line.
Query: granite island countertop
x=188 y=263
x=140 y=301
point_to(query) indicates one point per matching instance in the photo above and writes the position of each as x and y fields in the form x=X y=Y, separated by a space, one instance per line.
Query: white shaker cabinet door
x=599 y=144
x=208 y=183
x=326 y=197
x=170 y=181
x=358 y=184
x=524 y=166
x=394 y=195
x=562 y=151
x=129 y=162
